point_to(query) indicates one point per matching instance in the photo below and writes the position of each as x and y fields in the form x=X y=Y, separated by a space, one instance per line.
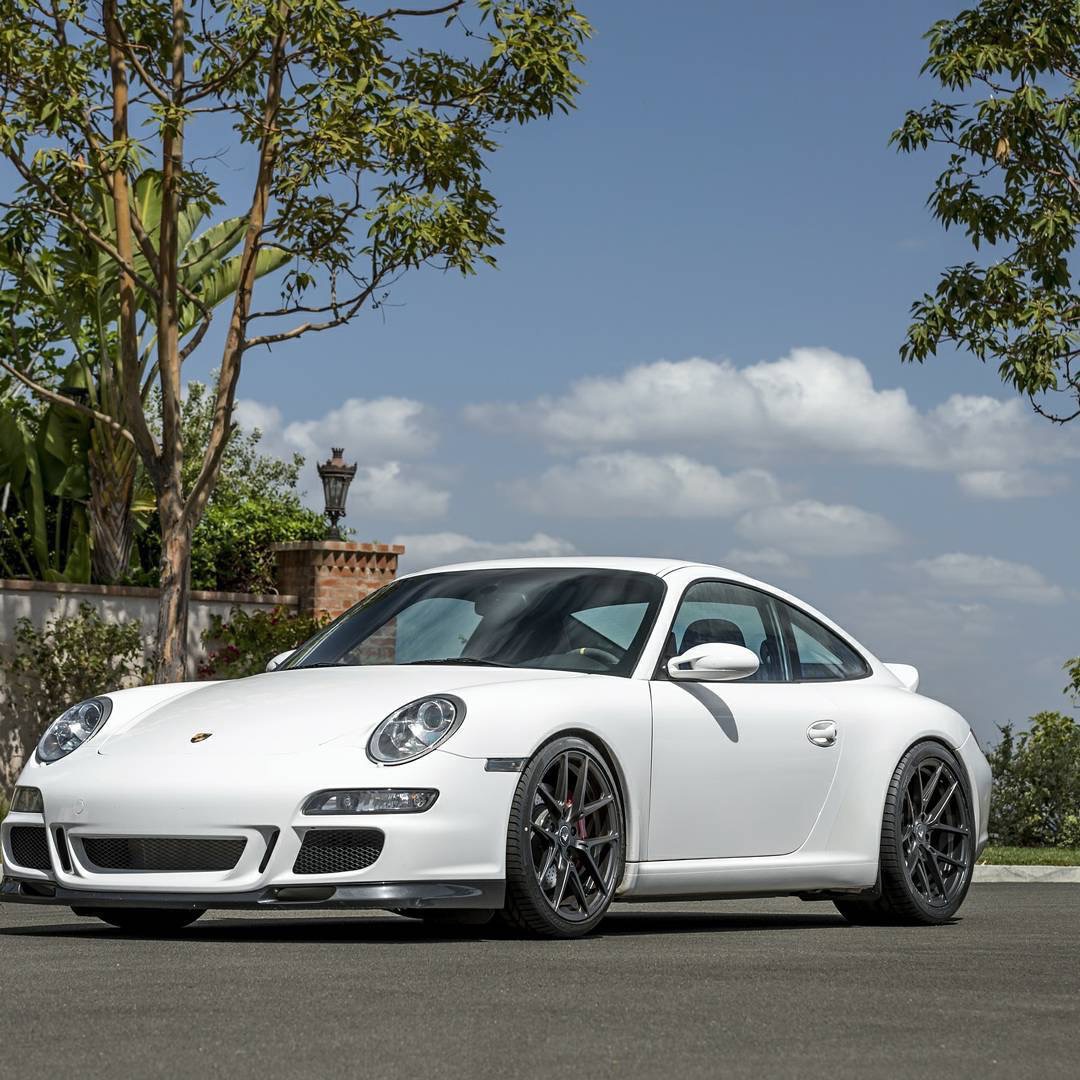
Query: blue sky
x=690 y=348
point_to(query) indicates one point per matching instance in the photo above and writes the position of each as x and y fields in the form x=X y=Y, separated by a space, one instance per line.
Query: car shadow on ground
x=393 y=929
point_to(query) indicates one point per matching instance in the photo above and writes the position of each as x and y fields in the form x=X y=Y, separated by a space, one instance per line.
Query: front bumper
x=400 y=894
x=441 y=856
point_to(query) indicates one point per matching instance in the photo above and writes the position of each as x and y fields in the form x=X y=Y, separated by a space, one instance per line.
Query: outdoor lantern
x=336 y=477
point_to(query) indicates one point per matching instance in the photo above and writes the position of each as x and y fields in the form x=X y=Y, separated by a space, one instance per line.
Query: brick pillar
x=332 y=575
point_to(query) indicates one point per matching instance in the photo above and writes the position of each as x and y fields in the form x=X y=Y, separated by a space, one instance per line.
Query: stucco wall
x=41 y=600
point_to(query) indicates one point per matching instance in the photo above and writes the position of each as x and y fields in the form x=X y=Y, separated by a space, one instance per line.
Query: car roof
x=659 y=567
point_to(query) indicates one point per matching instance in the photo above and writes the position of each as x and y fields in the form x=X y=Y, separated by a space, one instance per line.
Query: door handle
x=822 y=732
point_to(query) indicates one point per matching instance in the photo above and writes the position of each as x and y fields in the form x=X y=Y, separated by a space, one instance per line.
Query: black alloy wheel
x=564 y=857
x=927 y=842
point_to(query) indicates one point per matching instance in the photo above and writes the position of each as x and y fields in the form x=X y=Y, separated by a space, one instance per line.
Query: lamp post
x=336 y=477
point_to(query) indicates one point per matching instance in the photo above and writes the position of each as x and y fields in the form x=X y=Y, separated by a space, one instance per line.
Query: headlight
x=416 y=729
x=72 y=728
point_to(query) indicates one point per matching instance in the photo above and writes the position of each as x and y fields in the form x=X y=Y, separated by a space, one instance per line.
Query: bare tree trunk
x=176 y=523
x=112 y=488
x=175 y=586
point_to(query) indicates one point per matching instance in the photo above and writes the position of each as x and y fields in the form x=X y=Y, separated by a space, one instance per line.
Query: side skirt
x=705 y=879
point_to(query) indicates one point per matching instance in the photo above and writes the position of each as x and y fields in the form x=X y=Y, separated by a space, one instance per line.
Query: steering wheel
x=602 y=655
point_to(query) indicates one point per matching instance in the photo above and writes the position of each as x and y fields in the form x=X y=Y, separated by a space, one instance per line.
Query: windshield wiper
x=476 y=660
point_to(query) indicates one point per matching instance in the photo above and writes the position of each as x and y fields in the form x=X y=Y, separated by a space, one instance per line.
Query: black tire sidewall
x=893 y=861
x=520 y=873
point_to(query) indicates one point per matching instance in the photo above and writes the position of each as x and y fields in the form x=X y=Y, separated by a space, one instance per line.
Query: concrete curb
x=1064 y=875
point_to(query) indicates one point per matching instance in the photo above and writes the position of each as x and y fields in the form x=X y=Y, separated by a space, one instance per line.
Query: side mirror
x=277 y=661
x=713 y=663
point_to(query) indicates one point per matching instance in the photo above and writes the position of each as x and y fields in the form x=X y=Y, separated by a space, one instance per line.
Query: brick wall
x=332 y=575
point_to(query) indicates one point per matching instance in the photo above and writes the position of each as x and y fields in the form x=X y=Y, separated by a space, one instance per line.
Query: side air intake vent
x=338 y=851
x=29 y=847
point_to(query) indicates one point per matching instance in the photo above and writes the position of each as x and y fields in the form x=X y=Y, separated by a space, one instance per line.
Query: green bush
x=44 y=671
x=243 y=645
x=231 y=547
x=1036 y=798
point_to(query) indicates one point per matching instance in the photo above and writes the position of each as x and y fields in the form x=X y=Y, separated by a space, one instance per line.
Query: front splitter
x=393 y=894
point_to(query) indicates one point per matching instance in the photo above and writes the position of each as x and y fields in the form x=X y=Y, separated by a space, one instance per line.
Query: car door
x=739 y=768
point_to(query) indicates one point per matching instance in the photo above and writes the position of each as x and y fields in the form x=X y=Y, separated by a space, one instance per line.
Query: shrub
x=71 y=658
x=1036 y=798
x=243 y=645
x=231 y=547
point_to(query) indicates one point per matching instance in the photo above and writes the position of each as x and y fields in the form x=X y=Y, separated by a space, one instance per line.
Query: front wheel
x=151 y=921
x=927 y=843
x=564 y=848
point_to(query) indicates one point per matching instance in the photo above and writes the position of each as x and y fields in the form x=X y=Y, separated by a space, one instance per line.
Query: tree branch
x=60 y=399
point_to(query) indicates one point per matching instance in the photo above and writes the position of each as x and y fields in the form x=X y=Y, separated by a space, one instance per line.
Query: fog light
x=27 y=800
x=371 y=801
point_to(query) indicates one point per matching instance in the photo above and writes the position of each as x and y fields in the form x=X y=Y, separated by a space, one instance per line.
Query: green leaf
x=209 y=249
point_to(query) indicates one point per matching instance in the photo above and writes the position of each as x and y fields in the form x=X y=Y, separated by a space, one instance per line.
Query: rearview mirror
x=275 y=662
x=713 y=662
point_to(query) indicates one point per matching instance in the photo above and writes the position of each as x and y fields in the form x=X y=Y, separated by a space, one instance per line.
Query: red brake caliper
x=580 y=827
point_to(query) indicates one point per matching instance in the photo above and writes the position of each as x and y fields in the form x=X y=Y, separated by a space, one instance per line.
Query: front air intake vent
x=29 y=847
x=338 y=851
x=164 y=854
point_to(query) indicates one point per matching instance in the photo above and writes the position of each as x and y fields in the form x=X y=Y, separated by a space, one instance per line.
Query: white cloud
x=379 y=429
x=629 y=484
x=382 y=491
x=813 y=400
x=375 y=433
x=433 y=549
x=987 y=576
x=1011 y=484
x=809 y=527
x=765 y=562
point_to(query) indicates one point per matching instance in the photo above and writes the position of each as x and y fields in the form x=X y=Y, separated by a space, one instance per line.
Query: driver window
x=718 y=611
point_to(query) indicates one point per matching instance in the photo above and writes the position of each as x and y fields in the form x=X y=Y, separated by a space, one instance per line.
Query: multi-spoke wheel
x=564 y=853
x=927 y=842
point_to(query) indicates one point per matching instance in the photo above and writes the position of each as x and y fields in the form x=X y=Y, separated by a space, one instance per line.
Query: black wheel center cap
x=564 y=834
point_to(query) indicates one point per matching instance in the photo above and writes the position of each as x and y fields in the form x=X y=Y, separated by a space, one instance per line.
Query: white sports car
x=536 y=738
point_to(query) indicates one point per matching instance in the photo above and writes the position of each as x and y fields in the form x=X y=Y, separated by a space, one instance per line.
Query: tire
x=927 y=844
x=150 y=921
x=564 y=844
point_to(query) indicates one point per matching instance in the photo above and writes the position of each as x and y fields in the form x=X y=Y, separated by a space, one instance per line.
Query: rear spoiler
x=908 y=675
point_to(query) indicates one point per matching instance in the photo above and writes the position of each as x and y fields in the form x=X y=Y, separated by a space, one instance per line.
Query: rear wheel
x=564 y=850
x=144 y=920
x=927 y=843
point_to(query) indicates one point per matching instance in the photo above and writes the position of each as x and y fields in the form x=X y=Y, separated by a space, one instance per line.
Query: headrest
x=708 y=631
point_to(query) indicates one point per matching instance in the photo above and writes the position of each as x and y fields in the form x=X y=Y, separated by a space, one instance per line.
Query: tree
x=1011 y=126
x=1036 y=796
x=254 y=505
x=368 y=158
x=70 y=295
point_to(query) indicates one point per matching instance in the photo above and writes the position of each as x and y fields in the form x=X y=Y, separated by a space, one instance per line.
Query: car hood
x=293 y=711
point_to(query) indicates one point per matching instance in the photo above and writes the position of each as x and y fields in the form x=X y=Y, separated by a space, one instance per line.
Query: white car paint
x=724 y=792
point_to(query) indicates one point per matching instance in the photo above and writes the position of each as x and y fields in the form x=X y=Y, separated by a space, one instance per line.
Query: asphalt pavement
x=761 y=988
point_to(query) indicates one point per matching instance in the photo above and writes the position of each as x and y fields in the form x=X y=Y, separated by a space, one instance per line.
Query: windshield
x=563 y=619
